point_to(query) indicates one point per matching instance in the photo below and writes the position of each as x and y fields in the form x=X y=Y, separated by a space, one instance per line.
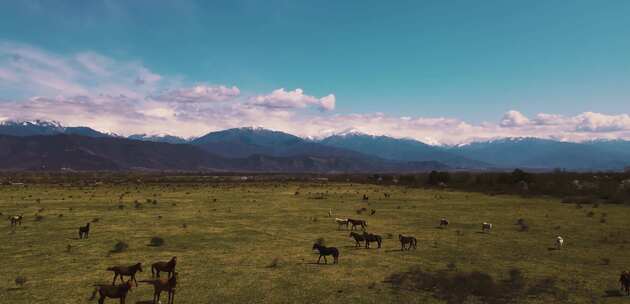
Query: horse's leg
x=325 y=260
x=134 y=279
x=115 y=276
x=320 y=257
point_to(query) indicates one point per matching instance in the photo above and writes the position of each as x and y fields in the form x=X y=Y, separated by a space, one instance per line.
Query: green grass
x=227 y=247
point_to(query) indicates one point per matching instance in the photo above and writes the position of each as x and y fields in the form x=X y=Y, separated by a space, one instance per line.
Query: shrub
x=590 y=214
x=156 y=241
x=39 y=218
x=120 y=246
x=20 y=281
x=605 y=261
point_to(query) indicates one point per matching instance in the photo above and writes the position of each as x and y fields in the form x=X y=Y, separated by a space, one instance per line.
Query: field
x=250 y=242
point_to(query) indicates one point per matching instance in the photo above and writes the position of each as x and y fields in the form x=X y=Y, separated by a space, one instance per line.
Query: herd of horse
x=160 y=285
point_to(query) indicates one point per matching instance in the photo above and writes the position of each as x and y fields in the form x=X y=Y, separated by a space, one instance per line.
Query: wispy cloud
x=126 y=97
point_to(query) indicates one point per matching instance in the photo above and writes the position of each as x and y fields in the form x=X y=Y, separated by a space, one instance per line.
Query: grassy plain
x=250 y=242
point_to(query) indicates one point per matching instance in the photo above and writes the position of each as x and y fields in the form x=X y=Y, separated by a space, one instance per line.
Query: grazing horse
x=372 y=212
x=559 y=242
x=372 y=238
x=168 y=267
x=16 y=219
x=486 y=227
x=358 y=238
x=160 y=285
x=624 y=281
x=324 y=251
x=355 y=223
x=129 y=271
x=84 y=231
x=341 y=222
x=112 y=292
x=365 y=197
x=443 y=222
x=404 y=240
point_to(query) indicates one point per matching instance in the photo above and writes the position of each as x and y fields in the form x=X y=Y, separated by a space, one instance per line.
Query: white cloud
x=199 y=93
x=282 y=99
x=514 y=119
x=596 y=122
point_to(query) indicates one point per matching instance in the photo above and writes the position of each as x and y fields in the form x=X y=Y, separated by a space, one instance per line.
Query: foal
x=372 y=238
x=84 y=231
x=16 y=219
x=129 y=271
x=168 y=267
x=324 y=251
x=404 y=240
x=355 y=223
x=358 y=238
x=112 y=292
x=160 y=285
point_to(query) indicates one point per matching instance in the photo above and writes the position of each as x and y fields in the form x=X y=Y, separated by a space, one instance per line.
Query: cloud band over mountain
x=126 y=97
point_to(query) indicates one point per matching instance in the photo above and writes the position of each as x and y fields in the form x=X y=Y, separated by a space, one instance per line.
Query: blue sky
x=470 y=61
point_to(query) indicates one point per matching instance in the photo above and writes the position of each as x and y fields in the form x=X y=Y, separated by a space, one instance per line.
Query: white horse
x=486 y=227
x=559 y=242
x=341 y=222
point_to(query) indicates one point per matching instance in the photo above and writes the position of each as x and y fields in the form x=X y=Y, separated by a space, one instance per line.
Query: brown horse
x=160 y=285
x=355 y=223
x=168 y=267
x=372 y=238
x=112 y=292
x=84 y=231
x=129 y=271
x=358 y=238
x=407 y=240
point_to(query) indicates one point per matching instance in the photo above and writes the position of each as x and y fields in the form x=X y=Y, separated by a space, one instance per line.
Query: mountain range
x=42 y=145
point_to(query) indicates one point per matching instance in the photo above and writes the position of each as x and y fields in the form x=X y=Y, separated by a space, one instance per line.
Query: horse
x=443 y=222
x=160 y=285
x=404 y=240
x=112 y=292
x=358 y=238
x=84 y=231
x=372 y=238
x=355 y=223
x=624 y=281
x=365 y=197
x=559 y=242
x=341 y=222
x=486 y=227
x=16 y=219
x=168 y=267
x=324 y=251
x=126 y=271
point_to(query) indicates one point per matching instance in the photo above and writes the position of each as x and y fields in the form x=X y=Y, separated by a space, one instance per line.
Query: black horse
x=358 y=238
x=407 y=240
x=355 y=223
x=84 y=231
x=324 y=251
x=372 y=238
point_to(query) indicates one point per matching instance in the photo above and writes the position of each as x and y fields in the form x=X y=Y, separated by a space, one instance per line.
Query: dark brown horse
x=324 y=251
x=129 y=271
x=358 y=238
x=355 y=223
x=168 y=267
x=407 y=240
x=369 y=237
x=624 y=281
x=167 y=285
x=112 y=292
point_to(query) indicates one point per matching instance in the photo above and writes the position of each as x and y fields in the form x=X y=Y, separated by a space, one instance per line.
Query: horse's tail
x=379 y=240
x=414 y=242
